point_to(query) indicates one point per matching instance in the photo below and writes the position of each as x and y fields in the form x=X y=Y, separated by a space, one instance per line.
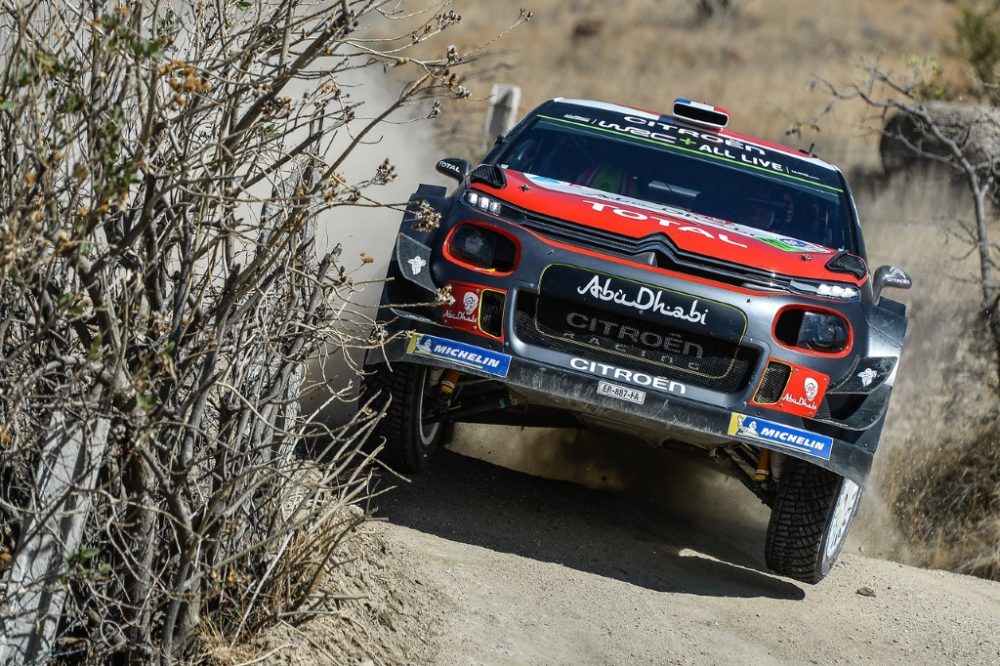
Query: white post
x=504 y=101
x=51 y=533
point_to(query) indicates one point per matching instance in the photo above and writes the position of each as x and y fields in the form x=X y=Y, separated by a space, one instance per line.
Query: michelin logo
x=781 y=435
x=476 y=358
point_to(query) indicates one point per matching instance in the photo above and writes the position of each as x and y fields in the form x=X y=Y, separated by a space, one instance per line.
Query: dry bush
x=163 y=288
x=977 y=41
x=949 y=508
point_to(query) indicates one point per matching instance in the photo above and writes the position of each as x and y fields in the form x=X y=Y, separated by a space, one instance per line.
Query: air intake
x=491 y=306
x=773 y=384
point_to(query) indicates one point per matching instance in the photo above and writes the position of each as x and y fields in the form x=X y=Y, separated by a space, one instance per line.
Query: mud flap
x=414 y=259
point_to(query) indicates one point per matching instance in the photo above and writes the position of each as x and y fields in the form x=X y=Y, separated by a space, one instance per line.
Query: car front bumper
x=559 y=375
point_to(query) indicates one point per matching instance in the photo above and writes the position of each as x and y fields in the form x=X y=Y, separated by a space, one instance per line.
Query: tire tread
x=399 y=426
x=802 y=509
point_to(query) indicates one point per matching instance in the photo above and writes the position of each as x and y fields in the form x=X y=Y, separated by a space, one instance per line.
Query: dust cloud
x=690 y=488
x=408 y=141
x=946 y=380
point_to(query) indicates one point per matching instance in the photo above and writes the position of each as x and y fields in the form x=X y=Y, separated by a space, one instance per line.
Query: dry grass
x=949 y=507
x=758 y=63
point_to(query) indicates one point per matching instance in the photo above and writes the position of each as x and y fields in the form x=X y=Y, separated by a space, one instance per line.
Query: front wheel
x=812 y=514
x=410 y=440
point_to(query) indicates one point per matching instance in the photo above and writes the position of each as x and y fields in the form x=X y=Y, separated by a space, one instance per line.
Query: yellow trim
x=784 y=388
x=734 y=423
x=479 y=314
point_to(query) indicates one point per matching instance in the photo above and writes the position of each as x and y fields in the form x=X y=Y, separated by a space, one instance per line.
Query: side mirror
x=889 y=276
x=453 y=167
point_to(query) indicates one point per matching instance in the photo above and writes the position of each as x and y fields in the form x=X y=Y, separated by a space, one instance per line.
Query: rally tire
x=811 y=516
x=409 y=442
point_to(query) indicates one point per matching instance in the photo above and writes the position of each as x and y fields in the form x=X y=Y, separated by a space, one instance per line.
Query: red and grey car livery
x=658 y=276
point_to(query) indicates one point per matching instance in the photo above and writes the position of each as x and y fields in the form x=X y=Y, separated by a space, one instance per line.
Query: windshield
x=655 y=160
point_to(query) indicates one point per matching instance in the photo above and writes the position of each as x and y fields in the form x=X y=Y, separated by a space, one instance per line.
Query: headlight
x=482 y=202
x=823 y=332
x=482 y=248
x=827 y=289
x=814 y=330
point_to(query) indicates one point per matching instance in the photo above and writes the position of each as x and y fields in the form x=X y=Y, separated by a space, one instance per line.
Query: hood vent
x=489 y=174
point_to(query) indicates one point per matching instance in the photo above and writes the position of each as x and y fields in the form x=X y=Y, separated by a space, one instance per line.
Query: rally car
x=657 y=276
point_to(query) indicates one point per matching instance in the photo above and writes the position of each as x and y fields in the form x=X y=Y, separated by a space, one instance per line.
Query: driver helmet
x=767 y=211
x=609 y=178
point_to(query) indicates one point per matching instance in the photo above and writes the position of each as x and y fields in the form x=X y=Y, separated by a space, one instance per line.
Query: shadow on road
x=470 y=501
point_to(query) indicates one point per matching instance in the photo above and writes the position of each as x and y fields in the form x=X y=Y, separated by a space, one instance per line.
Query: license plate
x=621 y=392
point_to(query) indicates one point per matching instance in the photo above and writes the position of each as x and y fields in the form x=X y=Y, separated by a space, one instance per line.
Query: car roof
x=652 y=115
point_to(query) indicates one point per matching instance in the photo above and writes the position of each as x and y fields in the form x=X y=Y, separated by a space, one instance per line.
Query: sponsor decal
x=718 y=230
x=783 y=243
x=867 y=376
x=621 y=392
x=470 y=302
x=788 y=244
x=643 y=300
x=871 y=373
x=465 y=307
x=663 y=348
x=464 y=311
x=811 y=387
x=445 y=164
x=803 y=392
x=780 y=435
x=729 y=148
x=711 y=145
x=470 y=356
x=677 y=225
x=630 y=376
x=416 y=264
x=645 y=303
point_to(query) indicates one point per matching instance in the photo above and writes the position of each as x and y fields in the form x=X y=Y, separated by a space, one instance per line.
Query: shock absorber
x=448 y=382
x=763 y=472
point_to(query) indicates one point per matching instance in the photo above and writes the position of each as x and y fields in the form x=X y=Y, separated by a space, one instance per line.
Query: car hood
x=689 y=232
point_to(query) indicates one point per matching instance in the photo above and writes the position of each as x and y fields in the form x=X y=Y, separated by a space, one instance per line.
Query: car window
x=802 y=202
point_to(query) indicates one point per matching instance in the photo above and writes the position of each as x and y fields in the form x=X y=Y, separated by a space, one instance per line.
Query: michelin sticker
x=867 y=376
x=416 y=264
x=470 y=356
x=780 y=435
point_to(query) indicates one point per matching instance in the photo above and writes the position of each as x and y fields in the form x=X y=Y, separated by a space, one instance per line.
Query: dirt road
x=516 y=569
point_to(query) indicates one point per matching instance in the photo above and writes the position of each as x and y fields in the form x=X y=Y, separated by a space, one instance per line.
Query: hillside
x=760 y=62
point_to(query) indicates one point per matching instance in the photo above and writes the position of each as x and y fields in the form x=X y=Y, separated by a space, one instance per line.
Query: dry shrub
x=168 y=175
x=950 y=509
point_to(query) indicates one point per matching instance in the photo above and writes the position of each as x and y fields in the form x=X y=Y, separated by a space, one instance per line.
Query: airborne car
x=657 y=276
